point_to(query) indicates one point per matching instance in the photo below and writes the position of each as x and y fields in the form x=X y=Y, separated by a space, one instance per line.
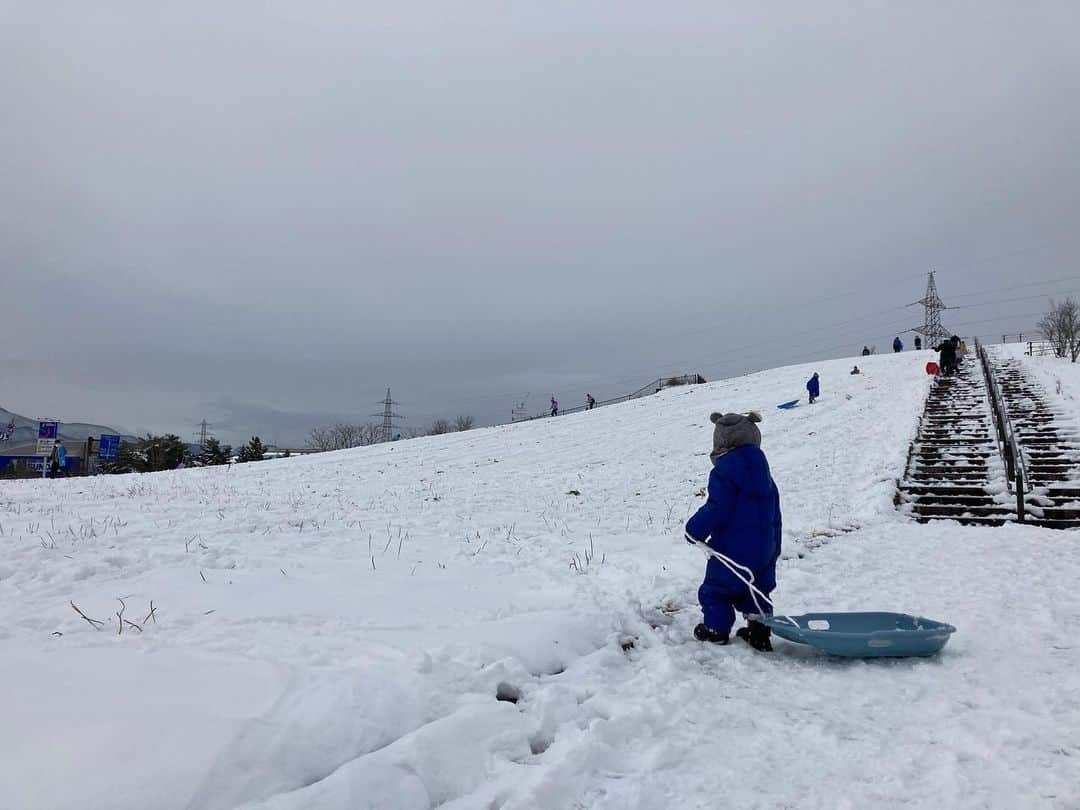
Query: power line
x=876 y=285
x=1001 y=301
x=764 y=346
x=832 y=327
x=1024 y=285
x=829 y=328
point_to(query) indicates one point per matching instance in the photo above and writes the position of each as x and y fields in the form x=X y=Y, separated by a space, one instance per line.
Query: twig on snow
x=97 y=624
x=132 y=624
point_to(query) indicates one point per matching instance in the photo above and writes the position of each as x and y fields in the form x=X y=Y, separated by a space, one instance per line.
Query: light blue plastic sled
x=864 y=635
x=853 y=635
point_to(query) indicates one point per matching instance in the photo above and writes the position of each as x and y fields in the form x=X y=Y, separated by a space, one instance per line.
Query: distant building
x=22 y=460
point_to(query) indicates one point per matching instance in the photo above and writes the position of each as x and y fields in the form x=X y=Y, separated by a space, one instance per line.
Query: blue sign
x=48 y=430
x=108 y=447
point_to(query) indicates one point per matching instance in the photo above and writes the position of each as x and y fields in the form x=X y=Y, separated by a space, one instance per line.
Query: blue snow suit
x=741 y=519
x=813 y=387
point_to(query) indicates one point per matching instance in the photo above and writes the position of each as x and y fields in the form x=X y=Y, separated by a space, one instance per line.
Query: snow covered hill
x=501 y=619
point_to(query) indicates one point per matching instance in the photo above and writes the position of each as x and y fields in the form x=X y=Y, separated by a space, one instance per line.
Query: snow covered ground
x=334 y=631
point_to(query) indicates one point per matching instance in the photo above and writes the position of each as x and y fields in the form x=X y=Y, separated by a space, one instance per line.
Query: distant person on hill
x=813 y=387
x=554 y=406
x=57 y=459
x=741 y=520
x=866 y=351
x=897 y=344
x=947 y=356
x=590 y=402
x=918 y=343
x=856 y=370
x=962 y=346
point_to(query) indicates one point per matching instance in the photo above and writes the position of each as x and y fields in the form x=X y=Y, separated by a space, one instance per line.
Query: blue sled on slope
x=864 y=635
x=852 y=635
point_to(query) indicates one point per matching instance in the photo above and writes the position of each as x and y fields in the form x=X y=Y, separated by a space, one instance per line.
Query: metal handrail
x=1012 y=455
x=657 y=385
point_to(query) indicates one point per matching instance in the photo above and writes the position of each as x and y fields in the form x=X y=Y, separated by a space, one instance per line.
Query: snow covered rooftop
x=502 y=618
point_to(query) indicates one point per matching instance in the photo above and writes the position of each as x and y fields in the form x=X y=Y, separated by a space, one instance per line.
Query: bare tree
x=464 y=422
x=321 y=439
x=438 y=427
x=1061 y=327
x=342 y=436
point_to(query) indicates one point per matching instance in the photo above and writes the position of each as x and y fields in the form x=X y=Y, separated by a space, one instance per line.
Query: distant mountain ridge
x=26 y=430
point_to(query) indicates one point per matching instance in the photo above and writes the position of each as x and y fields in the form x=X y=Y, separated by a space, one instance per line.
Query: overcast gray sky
x=265 y=213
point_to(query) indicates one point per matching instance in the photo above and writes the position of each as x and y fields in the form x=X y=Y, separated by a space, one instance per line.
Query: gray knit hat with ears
x=734 y=430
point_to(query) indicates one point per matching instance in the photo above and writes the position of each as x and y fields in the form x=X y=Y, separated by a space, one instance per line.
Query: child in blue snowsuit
x=741 y=519
x=813 y=388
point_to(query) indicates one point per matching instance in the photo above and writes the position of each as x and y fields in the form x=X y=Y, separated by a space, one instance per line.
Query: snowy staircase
x=954 y=469
x=1049 y=443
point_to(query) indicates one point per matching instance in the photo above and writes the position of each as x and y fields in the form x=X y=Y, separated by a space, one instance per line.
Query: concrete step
x=936 y=481
x=966 y=520
x=1051 y=524
x=1064 y=492
x=956 y=504
x=957 y=512
x=948 y=490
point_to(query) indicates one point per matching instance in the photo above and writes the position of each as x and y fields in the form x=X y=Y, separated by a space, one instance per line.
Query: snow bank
x=501 y=618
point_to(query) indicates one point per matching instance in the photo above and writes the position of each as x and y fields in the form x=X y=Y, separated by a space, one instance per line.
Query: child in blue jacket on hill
x=813 y=387
x=741 y=520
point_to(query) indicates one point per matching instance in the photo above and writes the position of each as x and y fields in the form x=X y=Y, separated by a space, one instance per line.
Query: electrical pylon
x=204 y=433
x=932 y=330
x=388 y=417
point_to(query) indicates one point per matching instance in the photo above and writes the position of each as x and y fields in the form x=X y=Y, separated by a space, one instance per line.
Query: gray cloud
x=289 y=209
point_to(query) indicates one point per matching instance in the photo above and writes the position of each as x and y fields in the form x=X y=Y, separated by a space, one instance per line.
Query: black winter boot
x=757 y=635
x=703 y=633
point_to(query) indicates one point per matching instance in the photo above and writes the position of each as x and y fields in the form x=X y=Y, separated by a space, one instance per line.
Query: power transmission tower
x=932 y=304
x=388 y=417
x=204 y=433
